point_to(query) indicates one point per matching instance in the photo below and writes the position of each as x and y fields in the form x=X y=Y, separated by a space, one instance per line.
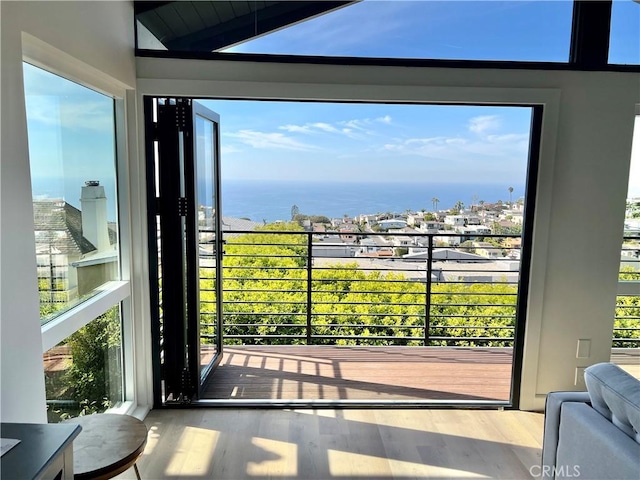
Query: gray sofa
x=594 y=434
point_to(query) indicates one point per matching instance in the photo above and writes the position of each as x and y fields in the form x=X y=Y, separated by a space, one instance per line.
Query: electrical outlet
x=584 y=348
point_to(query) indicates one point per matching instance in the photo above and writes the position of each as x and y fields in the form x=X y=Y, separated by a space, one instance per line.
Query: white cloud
x=296 y=128
x=484 y=123
x=509 y=138
x=325 y=127
x=492 y=147
x=355 y=129
x=270 y=140
x=357 y=124
x=226 y=149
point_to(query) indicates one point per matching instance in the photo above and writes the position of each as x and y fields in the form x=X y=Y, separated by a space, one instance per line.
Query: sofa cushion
x=616 y=395
x=592 y=448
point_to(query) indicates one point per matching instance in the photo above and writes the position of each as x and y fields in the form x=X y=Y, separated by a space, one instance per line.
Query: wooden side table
x=108 y=445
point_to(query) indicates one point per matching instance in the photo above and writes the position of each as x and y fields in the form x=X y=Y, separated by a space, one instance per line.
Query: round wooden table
x=108 y=445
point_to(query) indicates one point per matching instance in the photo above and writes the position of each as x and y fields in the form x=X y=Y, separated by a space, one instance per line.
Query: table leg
x=135 y=467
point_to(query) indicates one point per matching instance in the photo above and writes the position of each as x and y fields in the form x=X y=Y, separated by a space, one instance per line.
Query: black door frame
x=172 y=201
x=159 y=367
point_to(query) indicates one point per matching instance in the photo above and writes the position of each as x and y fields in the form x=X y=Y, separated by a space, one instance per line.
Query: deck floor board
x=301 y=372
x=361 y=373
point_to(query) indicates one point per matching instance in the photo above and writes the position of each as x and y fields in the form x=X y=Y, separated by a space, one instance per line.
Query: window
x=624 y=46
x=492 y=30
x=83 y=301
x=460 y=30
x=72 y=155
x=626 y=331
x=83 y=373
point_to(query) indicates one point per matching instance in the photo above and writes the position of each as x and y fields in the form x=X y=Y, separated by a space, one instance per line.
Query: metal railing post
x=427 y=306
x=309 y=283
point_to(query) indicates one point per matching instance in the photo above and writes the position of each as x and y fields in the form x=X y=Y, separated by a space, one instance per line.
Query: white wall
x=99 y=35
x=583 y=176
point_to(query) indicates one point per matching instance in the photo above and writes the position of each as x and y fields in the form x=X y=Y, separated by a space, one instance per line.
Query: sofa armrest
x=552 y=410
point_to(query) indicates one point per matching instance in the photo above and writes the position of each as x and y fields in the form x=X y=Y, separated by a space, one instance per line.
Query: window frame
x=588 y=50
x=113 y=293
x=630 y=288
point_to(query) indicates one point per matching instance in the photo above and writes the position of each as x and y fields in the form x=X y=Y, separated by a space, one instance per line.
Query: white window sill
x=69 y=322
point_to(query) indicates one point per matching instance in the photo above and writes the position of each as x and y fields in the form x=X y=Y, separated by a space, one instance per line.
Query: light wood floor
x=342 y=444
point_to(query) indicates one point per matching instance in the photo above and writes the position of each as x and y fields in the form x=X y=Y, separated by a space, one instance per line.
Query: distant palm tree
x=435 y=203
x=510 y=192
x=459 y=206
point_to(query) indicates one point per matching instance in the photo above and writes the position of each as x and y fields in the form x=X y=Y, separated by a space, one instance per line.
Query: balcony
x=311 y=318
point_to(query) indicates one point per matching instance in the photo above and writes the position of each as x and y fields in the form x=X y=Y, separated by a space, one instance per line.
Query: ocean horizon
x=273 y=200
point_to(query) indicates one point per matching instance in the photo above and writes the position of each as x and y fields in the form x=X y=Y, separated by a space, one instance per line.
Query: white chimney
x=94 y=215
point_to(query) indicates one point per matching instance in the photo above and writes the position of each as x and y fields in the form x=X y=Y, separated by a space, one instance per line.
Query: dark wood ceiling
x=201 y=26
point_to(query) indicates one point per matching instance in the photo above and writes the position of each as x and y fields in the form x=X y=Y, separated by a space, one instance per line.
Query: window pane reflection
x=72 y=156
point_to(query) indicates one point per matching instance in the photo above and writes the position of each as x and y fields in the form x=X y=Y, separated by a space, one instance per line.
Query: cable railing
x=384 y=288
x=626 y=331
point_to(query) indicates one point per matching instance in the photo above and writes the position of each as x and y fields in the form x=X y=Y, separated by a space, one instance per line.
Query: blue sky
x=373 y=142
x=537 y=30
x=71 y=137
x=488 y=30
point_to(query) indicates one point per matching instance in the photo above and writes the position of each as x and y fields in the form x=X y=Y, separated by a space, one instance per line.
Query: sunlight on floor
x=345 y=464
x=193 y=452
x=302 y=444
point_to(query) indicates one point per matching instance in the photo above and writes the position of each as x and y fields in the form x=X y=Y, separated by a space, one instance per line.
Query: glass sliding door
x=208 y=329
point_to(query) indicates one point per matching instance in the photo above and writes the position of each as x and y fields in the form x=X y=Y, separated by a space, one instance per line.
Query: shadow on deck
x=362 y=373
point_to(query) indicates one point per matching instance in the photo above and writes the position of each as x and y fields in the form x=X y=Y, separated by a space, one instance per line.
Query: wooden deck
x=362 y=373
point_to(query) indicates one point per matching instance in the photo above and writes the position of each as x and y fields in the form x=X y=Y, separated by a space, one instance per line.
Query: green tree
x=266 y=291
x=498 y=229
x=457 y=208
x=467 y=246
x=93 y=379
x=627 y=319
x=91 y=348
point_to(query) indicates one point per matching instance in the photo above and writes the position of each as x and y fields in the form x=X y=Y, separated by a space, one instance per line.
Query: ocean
x=273 y=200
